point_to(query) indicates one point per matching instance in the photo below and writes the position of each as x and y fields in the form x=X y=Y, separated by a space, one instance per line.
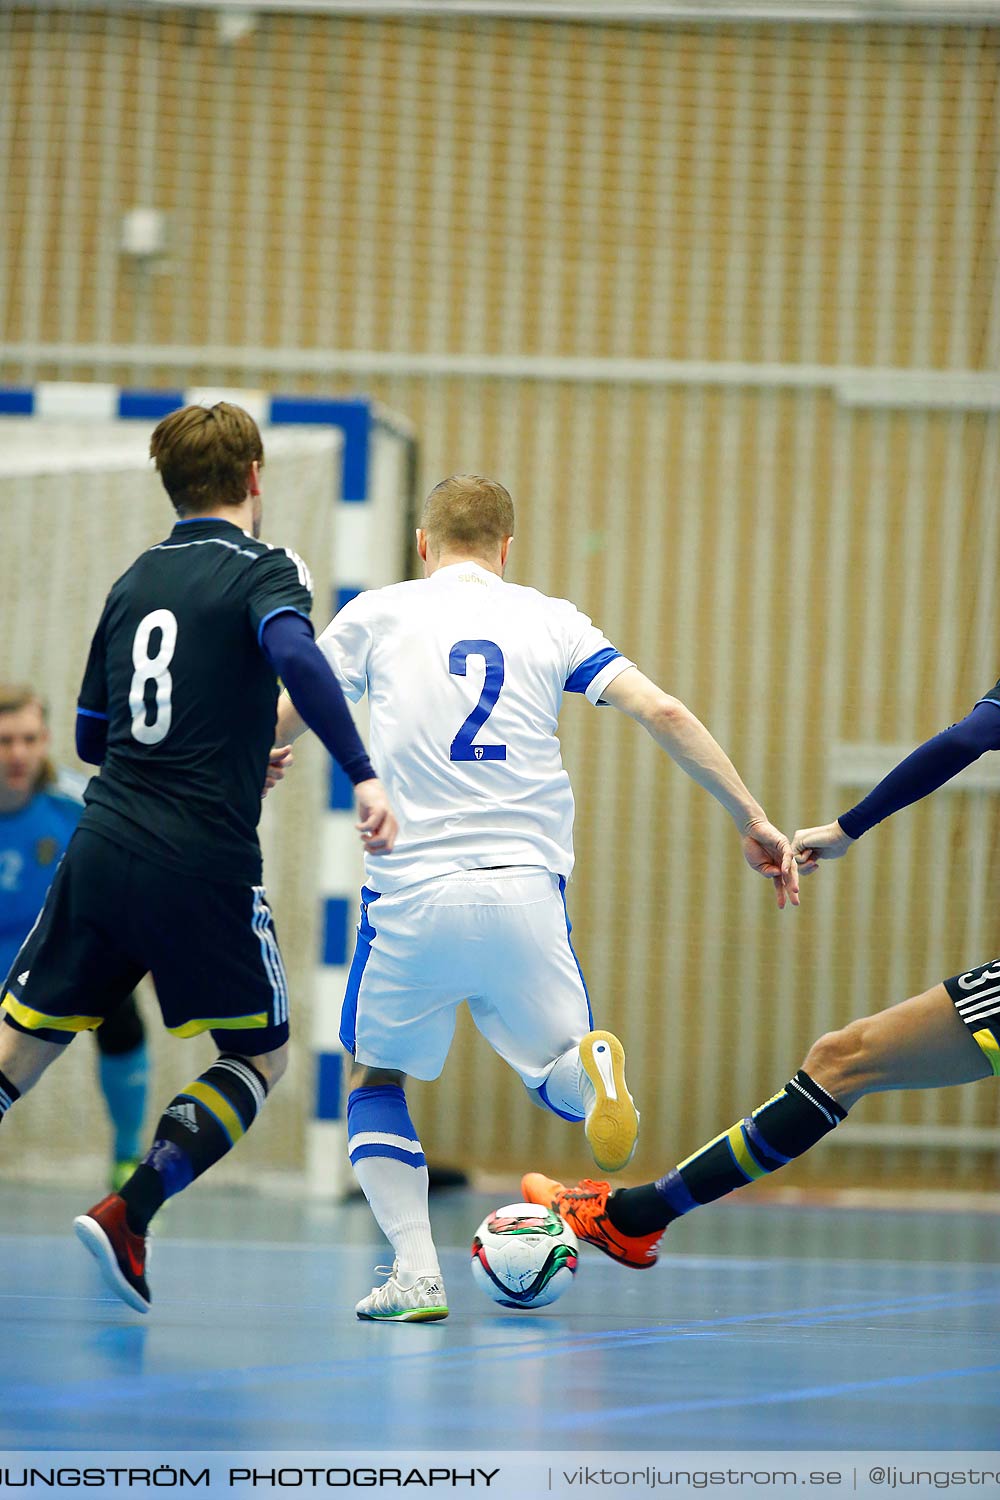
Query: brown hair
x=15 y=696
x=467 y=510
x=203 y=454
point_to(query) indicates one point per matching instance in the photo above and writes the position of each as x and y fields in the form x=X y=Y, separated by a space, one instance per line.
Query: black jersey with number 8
x=176 y=668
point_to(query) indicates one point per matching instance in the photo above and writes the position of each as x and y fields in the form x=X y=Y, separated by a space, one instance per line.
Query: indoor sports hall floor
x=764 y=1327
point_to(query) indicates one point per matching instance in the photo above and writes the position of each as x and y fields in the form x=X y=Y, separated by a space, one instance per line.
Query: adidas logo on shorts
x=186 y=1115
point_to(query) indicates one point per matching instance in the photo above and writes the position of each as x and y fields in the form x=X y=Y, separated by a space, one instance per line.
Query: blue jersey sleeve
x=288 y=644
x=592 y=662
x=933 y=763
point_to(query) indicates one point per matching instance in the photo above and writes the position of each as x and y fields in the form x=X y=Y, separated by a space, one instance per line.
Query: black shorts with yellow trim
x=111 y=917
x=976 y=995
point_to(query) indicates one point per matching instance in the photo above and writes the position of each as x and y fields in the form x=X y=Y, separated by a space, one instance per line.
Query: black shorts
x=111 y=917
x=977 y=999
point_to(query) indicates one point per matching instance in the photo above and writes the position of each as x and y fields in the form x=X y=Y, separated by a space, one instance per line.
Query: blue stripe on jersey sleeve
x=90 y=713
x=282 y=609
x=579 y=680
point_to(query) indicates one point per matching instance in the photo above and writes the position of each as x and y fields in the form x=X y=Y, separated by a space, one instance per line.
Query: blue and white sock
x=390 y=1165
x=124 y=1078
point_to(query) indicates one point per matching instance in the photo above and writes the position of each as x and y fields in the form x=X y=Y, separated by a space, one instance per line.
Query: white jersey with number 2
x=465 y=676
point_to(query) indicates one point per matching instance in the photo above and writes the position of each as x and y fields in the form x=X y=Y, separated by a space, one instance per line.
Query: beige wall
x=780 y=194
x=800 y=569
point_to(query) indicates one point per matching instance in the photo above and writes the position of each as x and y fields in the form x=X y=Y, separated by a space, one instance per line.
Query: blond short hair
x=203 y=455
x=17 y=695
x=467 y=510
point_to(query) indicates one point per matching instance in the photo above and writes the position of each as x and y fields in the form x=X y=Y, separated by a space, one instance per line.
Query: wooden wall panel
x=801 y=572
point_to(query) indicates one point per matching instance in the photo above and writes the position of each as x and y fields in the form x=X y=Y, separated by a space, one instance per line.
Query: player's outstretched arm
x=933 y=763
x=288 y=643
x=810 y=845
x=378 y=827
x=686 y=740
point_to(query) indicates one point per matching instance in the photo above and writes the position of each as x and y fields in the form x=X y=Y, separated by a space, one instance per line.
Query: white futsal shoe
x=424 y=1301
x=612 y=1120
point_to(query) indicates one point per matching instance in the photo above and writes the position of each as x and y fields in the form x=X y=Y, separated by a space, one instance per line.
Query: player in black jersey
x=163 y=874
x=949 y=1034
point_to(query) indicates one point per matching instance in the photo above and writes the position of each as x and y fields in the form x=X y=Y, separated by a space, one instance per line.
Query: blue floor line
x=669 y=1261
x=95 y=1394
x=838 y=1312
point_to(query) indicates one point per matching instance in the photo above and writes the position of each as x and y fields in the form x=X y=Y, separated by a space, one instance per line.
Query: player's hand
x=767 y=851
x=278 y=762
x=377 y=826
x=810 y=845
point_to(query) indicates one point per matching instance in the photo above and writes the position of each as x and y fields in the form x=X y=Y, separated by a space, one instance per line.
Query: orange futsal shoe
x=119 y=1252
x=584 y=1209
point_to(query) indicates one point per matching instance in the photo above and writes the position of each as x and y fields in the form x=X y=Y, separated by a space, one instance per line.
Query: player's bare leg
x=921 y=1043
x=198 y=1128
x=392 y=1170
x=23 y=1060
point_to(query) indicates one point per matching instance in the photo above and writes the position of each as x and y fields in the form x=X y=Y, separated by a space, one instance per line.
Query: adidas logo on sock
x=186 y=1115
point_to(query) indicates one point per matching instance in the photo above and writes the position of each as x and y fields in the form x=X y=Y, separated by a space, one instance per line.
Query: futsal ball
x=524 y=1255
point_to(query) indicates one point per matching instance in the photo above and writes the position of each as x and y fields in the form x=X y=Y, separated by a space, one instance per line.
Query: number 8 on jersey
x=154 y=669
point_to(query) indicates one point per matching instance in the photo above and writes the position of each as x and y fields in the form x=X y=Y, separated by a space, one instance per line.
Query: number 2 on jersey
x=155 y=669
x=462 y=747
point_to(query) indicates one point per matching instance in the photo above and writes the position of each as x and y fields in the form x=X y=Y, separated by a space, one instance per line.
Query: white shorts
x=499 y=939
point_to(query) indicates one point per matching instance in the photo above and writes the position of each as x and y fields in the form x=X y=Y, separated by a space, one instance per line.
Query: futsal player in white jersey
x=465 y=676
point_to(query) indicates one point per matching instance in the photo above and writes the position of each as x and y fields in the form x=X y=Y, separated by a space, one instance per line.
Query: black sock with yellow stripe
x=8 y=1094
x=780 y=1130
x=196 y=1130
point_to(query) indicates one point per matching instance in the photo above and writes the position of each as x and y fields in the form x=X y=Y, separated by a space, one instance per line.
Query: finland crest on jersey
x=465 y=675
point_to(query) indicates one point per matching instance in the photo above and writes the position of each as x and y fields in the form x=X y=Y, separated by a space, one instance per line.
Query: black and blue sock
x=198 y=1128
x=787 y=1126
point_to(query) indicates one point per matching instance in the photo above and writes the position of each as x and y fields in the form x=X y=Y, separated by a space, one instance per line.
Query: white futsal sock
x=391 y=1168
